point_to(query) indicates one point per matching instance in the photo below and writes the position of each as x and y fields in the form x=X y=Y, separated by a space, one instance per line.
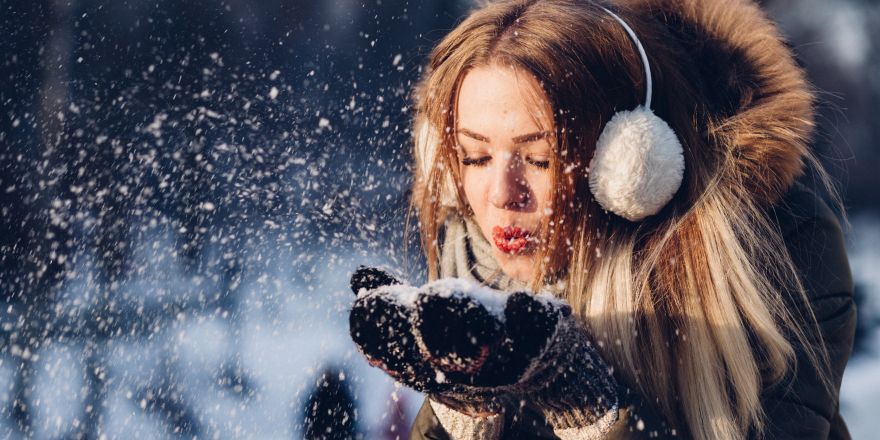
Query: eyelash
x=482 y=161
x=467 y=161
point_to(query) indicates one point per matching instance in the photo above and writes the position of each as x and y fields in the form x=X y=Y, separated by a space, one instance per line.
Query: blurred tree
x=396 y=425
x=837 y=43
x=867 y=323
x=330 y=412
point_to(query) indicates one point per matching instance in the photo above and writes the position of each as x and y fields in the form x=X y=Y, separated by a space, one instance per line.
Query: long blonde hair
x=688 y=304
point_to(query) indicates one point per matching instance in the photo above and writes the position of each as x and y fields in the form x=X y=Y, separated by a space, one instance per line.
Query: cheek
x=474 y=189
x=542 y=187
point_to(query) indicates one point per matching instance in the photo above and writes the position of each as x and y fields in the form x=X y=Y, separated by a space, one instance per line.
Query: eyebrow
x=521 y=139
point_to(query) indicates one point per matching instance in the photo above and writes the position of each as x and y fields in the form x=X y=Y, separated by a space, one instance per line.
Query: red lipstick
x=511 y=239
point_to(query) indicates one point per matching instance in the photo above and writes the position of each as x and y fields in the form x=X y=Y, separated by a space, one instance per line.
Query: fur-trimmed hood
x=762 y=105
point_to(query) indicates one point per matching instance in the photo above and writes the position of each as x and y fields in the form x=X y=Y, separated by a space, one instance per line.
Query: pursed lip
x=512 y=239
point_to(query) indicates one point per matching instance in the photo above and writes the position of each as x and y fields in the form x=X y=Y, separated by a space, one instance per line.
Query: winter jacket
x=762 y=110
x=798 y=407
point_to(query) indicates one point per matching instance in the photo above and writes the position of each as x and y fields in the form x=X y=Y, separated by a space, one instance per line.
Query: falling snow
x=185 y=191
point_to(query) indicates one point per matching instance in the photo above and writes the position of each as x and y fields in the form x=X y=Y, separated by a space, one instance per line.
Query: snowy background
x=187 y=185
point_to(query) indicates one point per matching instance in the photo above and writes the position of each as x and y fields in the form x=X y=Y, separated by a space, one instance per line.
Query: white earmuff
x=638 y=164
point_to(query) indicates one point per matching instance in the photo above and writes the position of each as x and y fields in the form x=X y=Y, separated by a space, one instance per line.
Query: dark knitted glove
x=379 y=323
x=480 y=350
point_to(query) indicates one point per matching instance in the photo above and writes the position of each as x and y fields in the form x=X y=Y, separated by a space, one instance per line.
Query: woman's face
x=505 y=136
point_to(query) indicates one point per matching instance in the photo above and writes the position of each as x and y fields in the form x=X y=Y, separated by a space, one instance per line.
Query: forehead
x=502 y=98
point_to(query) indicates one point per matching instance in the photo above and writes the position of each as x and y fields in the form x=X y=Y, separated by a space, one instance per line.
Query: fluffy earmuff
x=638 y=164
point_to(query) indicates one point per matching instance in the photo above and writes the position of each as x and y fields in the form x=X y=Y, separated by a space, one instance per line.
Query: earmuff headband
x=638 y=164
x=645 y=64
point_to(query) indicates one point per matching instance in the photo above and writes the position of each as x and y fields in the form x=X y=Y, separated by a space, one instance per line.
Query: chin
x=518 y=267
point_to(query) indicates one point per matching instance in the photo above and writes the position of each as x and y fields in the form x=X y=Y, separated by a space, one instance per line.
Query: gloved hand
x=480 y=350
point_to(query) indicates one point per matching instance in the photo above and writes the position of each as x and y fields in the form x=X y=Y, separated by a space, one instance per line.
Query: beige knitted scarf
x=466 y=253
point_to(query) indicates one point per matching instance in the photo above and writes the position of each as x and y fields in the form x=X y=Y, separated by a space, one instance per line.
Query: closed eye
x=543 y=164
x=477 y=162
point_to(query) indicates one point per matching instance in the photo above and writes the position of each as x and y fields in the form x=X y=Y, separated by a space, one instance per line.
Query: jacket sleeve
x=429 y=426
x=800 y=407
x=525 y=425
x=638 y=421
x=426 y=426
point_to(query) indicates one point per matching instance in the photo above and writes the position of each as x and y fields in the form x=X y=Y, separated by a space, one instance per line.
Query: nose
x=509 y=189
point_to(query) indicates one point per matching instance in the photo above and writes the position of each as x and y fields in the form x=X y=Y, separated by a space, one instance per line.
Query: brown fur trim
x=761 y=105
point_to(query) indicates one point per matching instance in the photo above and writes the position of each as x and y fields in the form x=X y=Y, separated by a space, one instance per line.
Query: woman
x=712 y=282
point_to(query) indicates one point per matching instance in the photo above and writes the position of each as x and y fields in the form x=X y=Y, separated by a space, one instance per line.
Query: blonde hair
x=688 y=304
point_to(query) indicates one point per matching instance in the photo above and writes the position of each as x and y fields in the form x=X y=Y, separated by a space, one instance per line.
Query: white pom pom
x=638 y=164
